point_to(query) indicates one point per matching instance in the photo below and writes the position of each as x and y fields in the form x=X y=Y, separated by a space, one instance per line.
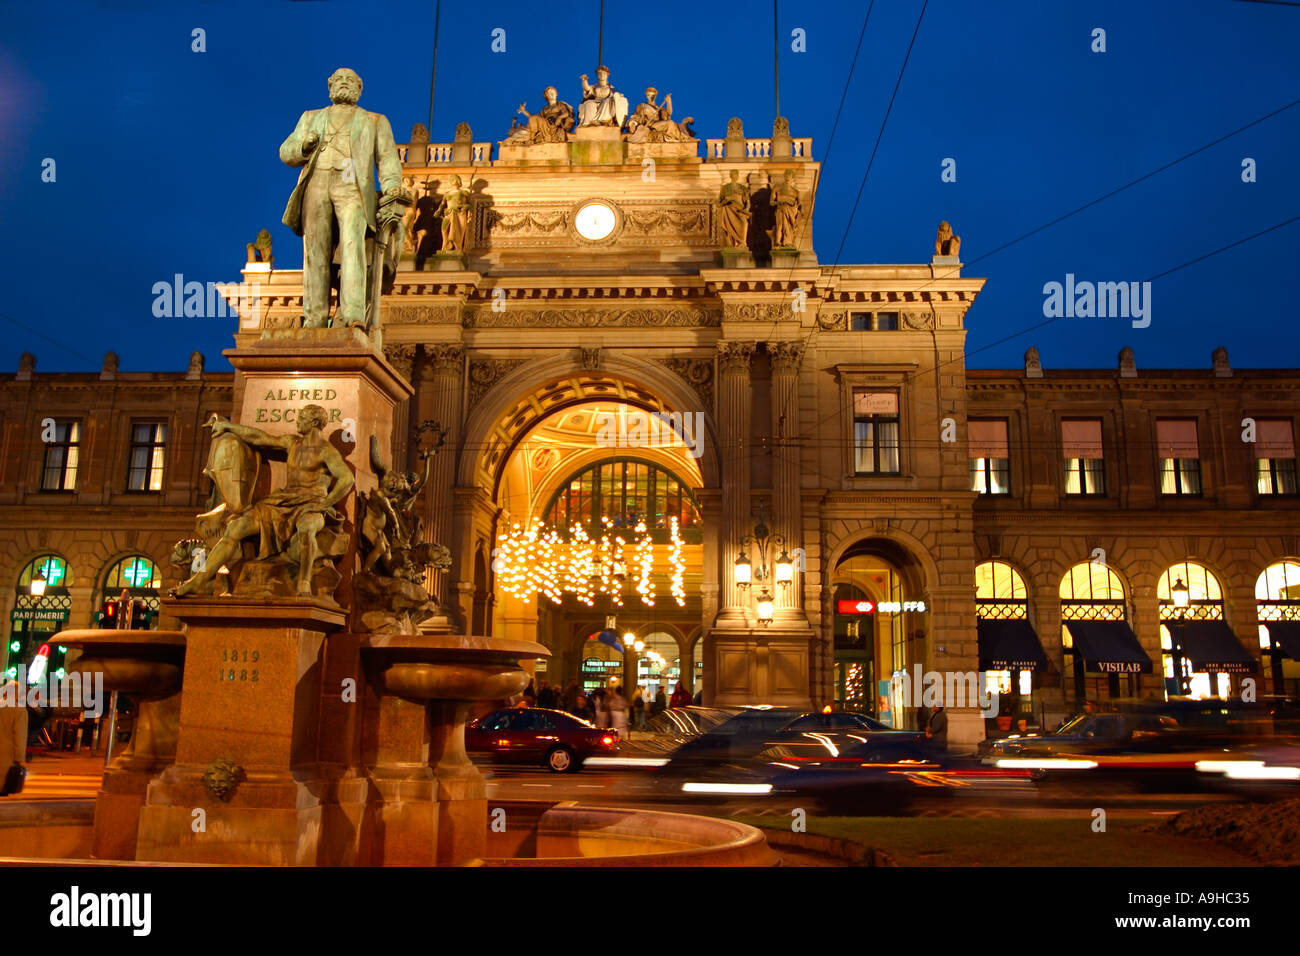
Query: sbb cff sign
x=884 y=607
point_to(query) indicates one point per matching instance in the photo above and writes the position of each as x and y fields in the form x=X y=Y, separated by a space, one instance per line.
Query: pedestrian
x=601 y=705
x=698 y=699
x=638 y=709
x=938 y=729
x=530 y=695
x=13 y=729
x=681 y=696
x=546 y=696
x=617 y=709
x=582 y=708
x=660 y=703
x=571 y=695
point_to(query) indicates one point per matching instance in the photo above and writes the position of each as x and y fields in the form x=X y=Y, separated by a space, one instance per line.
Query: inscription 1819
x=233 y=656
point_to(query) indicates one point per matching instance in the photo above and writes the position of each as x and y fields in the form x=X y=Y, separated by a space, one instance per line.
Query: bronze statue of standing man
x=338 y=147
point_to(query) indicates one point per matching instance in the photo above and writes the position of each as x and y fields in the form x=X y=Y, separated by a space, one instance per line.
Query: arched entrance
x=588 y=507
x=879 y=629
x=41 y=608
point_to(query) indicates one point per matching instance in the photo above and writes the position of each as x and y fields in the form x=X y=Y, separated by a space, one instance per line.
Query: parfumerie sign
x=272 y=409
x=39 y=614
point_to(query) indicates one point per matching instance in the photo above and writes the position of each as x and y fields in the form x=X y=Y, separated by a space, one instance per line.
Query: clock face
x=595 y=221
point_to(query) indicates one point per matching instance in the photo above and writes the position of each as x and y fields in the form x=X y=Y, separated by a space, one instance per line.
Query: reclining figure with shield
x=296 y=526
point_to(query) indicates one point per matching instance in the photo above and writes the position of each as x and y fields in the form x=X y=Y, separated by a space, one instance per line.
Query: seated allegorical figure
x=652 y=122
x=550 y=125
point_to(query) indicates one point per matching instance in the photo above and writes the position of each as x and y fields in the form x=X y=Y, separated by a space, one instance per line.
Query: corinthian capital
x=735 y=356
x=402 y=358
x=786 y=356
x=444 y=358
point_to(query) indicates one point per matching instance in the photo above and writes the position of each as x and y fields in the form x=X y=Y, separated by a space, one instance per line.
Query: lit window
x=990 y=461
x=61 y=457
x=875 y=433
x=1085 y=466
x=148 y=451
x=1275 y=458
x=1180 y=457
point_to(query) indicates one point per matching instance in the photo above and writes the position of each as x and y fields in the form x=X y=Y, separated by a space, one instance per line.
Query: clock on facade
x=595 y=221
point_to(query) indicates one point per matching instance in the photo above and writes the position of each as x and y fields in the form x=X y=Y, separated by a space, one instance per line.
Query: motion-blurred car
x=1081 y=734
x=532 y=735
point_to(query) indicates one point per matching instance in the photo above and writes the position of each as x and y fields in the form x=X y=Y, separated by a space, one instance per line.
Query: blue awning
x=1212 y=647
x=1010 y=646
x=1109 y=647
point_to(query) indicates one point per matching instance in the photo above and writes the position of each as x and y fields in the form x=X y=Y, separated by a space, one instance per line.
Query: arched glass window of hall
x=1000 y=593
x=1204 y=603
x=625 y=490
x=1090 y=591
x=1277 y=596
x=139 y=577
x=36 y=617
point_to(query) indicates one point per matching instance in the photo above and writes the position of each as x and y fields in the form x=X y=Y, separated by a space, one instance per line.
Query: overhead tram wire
x=433 y=70
x=27 y=328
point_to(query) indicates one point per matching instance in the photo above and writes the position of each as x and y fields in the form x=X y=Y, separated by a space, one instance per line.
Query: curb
x=855 y=854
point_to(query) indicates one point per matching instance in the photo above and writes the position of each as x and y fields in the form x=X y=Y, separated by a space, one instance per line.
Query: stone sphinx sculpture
x=260 y=250
x=391 y=595
x=297 y=527
x=652 y=122
x=551 y=125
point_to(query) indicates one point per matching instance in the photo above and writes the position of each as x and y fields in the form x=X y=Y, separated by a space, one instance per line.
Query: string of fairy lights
x=539 y=559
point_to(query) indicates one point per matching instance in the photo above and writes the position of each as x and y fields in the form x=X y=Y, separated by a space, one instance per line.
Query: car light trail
x=1028 y=763
x=751 y=788
x=1248 y=770
x=626 y=762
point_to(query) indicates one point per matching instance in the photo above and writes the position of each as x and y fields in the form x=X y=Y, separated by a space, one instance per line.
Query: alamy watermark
x=946 y=689
x=84 y=691
x=633 y=428
x=205 y=300
x=1101 y=300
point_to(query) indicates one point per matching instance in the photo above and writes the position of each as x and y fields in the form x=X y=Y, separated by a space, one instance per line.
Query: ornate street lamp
x=765 y=606
x=744 y=570
x=1181 y=595
x=781 y=570
x=37 y=585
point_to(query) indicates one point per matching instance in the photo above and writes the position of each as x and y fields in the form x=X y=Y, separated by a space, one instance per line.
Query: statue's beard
x=345 y=97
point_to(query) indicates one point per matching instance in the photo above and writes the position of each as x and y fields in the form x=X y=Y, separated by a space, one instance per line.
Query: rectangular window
x=873 y=322
x=1180 y=457
x=61 y=457
x=1085 y=466
x=1275 y=472
x=886 y=321
x=860 y=322
x=990 y=458
x=875 y=432
x=148 y=453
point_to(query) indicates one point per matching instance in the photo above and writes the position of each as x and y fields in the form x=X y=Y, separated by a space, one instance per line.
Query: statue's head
x=735 y=175
x=602 y=73
x=455 y=181
x=551 y=94
x=264 y=237
x=311 y=416
x=650 y=94
x=395 y=483
x=345 y=86
x=945 y=230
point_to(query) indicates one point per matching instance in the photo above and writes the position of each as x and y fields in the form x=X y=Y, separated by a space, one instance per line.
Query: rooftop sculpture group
x=601 y=106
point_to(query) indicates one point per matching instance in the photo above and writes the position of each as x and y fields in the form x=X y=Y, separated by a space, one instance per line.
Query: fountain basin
x=148 y=664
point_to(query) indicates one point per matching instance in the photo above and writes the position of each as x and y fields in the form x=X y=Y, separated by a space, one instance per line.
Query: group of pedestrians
x=605 y=707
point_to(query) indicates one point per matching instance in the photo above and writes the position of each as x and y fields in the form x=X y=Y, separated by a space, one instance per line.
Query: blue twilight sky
x=166 y=159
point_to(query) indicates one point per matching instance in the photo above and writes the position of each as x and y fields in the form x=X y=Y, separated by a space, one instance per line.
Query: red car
x=551 y=738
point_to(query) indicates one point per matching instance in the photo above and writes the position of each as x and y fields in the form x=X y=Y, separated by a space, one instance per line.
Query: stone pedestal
x=736 y=258
x=147 y=665
x=763 y=666
x=597 y=145
x=785 y=258
x=552 y=153
x=251 y=696
x=430 y=802
x=447 y=262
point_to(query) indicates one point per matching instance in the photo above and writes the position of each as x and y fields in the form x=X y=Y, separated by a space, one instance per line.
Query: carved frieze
x=484 y=373
x=697 y=372
x=656 y=220
x=486 y=318
x=421 y=314
x=549 y=224
x=833 y=321
x=918 y=320
x=757 y=311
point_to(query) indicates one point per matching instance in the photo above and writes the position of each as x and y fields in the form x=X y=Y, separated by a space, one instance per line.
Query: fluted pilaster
x=786 y=505
x=735 y=398
x=440 y=390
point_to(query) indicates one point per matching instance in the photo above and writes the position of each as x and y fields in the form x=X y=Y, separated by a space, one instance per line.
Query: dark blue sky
x=167 y=159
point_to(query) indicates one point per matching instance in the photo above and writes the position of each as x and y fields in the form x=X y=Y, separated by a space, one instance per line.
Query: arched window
x=665 y=672
x=41 y=607
x=1091 y=591
x=139 y=577
x=625 y=491
x=1000 y=592
x=1277 y=606
x=1204 y=603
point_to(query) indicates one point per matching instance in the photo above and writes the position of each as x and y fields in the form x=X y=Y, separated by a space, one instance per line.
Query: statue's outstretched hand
x=310 y=142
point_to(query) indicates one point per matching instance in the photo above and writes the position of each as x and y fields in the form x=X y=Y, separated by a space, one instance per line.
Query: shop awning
x=1285 y=635
x=1010 y=646
x=1212 y=647
x=1109 y=647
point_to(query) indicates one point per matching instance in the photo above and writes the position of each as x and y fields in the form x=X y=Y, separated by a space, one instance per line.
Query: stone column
x=402 y=358
x=441 y=377
x=787 y=517
x=734 y=417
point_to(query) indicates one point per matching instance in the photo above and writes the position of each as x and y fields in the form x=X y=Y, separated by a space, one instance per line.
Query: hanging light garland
x=539 y=560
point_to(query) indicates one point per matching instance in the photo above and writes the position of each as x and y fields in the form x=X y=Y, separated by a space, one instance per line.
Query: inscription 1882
x=234 y=656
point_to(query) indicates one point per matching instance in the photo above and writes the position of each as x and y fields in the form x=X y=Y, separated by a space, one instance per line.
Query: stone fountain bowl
x=425 y=667
x=149 y=664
